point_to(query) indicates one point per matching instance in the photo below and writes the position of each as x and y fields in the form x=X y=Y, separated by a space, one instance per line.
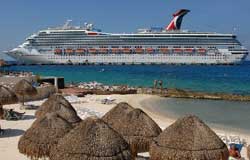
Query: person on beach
x=1 y=131
x=234 y=152
x=1 y=112
x=155 y=84
x=160 y=84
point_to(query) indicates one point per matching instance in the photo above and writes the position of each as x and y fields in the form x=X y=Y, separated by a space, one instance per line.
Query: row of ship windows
x=63 y=34
x=130 y=44
x=131 y=40
x=153 y=48
x=121 y=36
x=75 y=57
x=214 y=56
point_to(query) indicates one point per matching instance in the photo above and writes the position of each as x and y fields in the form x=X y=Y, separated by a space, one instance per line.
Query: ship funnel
x=175 y=24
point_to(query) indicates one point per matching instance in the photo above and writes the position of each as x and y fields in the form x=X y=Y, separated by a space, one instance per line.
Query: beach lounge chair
x=235 y=139
x=108 y=100
x=74 y=99
x=12 y=115
x=224 y=138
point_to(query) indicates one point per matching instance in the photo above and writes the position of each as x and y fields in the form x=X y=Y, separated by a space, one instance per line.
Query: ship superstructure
x=170 y=45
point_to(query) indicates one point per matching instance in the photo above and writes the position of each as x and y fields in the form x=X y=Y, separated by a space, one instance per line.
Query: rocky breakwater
x=82 y=89
x=178 y=93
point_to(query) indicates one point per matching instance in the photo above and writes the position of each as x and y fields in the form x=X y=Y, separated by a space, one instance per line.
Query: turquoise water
x=226 y=115
x=229 y=79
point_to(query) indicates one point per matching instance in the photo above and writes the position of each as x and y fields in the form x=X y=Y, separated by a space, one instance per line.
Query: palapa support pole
x=1 y=112
x=22 y=104
x=248 y=151
x=56 y=84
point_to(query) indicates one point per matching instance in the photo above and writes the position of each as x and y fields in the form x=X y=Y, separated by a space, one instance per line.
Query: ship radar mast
x=66 y=25
x=88 y=26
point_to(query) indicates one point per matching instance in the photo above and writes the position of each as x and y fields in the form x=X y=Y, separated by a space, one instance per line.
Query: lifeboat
x=69 y=51
x=115 y=50
x=201 y=50
x=80 y=51
x=163 y=50
x=126 y=50
x=178 y=50
x=139 y=50
x=188 y=50
x=103 y=50
x=92 y=50
x=149 y=50
x=58 y=51
x=92 y=33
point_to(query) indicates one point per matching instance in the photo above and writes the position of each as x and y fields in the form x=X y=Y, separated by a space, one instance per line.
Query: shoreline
x=218 y=128
x=90 y=104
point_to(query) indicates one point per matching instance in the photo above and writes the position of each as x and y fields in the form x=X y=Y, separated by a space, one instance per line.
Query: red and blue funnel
x=175 y=24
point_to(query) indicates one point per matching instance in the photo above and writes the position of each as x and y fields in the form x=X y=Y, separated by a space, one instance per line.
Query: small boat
x=115 y=50
x=102 y=70
x=92 y=33
x=164 y=50
x=177 y=50
x=139 y=50
x=80 y=51
x=149 y=50
x=103 y=50
x=126 y=50
x=201 y=50
x=69 y=51
x=92 y=50
x=58 y=51
x=188 y=50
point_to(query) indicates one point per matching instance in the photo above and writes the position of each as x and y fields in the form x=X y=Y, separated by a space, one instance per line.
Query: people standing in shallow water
x=160 y=82
x=155 y=84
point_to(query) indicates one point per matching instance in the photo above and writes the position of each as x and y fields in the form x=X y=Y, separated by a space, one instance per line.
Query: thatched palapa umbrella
x=92 y=139
x=248 y=151
x=44 y=133
x=23 y=88
x=6 y=97
x=138 y=129
x=188 y=138
x=117 y=112
x=58 y=104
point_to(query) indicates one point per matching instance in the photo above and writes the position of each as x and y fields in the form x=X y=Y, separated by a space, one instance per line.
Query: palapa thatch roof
x=188 y=138
x=248 y=151
x=58 y=104
x=44 y=133
x=115 y=114
x=138 y=129
x=7 y=96
x=24 y=87
x=92 y=139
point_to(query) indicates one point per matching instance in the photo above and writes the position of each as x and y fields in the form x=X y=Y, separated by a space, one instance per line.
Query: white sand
x=90 y=104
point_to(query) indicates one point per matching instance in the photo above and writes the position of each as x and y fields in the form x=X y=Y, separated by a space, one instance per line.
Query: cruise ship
x=169 y=45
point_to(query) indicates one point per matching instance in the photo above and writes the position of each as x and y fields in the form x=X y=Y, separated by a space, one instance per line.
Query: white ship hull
x=129 y=58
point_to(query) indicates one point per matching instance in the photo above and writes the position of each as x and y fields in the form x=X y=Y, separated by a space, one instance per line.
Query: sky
x=21 y=18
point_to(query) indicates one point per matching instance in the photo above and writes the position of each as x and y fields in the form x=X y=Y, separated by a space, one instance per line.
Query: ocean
x=223 y=115
x=228 y=79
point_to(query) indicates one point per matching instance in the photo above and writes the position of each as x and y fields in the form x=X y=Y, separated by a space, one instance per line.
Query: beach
x=89 y=105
